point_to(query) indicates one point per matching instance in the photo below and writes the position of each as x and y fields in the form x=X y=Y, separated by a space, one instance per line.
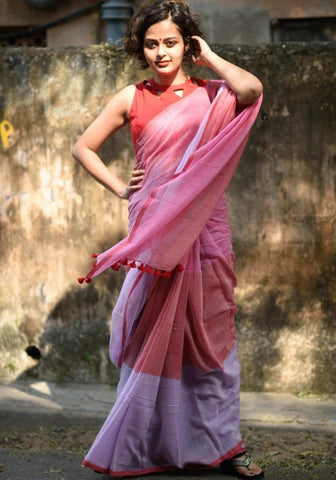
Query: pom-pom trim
x=140 y=266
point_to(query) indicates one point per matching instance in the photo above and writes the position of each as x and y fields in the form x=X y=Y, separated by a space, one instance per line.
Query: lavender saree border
x=160 y=423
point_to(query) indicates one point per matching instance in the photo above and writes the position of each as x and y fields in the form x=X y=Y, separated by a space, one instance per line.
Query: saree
x=173 y=332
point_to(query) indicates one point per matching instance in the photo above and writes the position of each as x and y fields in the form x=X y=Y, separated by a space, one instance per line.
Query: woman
x=173 y=333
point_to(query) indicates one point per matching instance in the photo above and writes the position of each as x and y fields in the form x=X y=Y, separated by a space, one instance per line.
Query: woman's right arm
x=113 y=117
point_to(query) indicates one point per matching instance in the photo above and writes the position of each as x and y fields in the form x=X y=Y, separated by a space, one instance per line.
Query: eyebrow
x=155 y=39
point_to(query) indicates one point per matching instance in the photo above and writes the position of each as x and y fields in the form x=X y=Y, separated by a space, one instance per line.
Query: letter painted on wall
x=8 y=136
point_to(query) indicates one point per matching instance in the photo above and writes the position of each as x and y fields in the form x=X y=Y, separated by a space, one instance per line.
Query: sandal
x=229 y=467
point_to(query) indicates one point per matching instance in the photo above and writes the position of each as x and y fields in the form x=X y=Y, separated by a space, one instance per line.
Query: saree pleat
x=174 y=336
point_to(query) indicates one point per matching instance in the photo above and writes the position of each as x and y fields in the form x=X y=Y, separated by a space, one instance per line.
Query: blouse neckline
x=164 y=88
x=173 y=87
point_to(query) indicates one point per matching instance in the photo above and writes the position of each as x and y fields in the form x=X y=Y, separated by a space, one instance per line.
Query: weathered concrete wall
x=53 y=216
x=233 y=24
x=283 y=215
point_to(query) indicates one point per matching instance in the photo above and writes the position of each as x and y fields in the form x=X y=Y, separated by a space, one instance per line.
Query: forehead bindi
x=159 y=39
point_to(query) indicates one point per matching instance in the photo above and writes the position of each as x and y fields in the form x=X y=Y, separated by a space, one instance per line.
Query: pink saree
x=173 y=332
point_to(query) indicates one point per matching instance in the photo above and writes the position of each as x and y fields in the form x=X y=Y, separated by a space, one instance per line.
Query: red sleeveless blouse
x=147 y=104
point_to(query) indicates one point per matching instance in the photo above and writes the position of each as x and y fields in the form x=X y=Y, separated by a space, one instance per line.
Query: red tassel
x=166 y=274
x=132 y=264
x=141 y=267
x=94 y=264
x=180 y=268
x=115 y=267
x=124 y=262
x=80 y=279
x=94 y=255
x=88 y=280
x=157 y=272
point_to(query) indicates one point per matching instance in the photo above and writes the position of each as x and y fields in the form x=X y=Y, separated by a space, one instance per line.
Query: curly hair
x=157 y=11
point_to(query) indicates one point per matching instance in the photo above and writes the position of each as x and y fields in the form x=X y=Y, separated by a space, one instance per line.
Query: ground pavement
x=45 y=429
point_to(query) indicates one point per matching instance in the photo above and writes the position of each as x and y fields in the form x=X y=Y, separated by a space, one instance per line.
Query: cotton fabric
x=173 y=332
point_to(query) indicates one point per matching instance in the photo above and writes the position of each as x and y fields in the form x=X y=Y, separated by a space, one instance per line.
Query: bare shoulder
x=129 y=91
x=122 y=101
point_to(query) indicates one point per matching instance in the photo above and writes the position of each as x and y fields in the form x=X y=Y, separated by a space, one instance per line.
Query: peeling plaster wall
x=53 y=216
x=284 y=217
x=233 y=24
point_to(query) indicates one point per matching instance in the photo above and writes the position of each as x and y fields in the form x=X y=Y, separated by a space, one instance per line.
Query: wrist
x=121 y=191
x=211 y=59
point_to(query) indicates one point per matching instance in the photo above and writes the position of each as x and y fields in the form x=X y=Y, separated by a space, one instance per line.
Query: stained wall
x=53 y=216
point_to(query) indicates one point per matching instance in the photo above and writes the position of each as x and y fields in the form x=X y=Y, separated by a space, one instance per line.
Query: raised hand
x=202 y=51
x=247 y=87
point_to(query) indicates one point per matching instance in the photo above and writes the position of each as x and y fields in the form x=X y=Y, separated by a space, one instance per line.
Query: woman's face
x=164 y=50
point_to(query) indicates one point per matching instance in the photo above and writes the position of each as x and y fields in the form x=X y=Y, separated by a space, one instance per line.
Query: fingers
x=134 y=183
x=195 y=45
x=136 y=177
x=199 y=42
x=201 y=52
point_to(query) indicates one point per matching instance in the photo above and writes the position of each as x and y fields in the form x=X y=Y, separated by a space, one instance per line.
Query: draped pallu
x=173 y=332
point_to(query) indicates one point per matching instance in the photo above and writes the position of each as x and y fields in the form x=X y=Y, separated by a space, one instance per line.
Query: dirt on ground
x=288 y=449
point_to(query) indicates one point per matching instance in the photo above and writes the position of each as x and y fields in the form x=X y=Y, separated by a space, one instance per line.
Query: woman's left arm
x=247 y=86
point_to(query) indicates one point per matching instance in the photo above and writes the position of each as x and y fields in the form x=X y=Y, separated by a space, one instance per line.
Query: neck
x=176 y=79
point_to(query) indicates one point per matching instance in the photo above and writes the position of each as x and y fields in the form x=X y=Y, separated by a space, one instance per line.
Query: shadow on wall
x=74 y=344
x=324 y=355
x=285 y=333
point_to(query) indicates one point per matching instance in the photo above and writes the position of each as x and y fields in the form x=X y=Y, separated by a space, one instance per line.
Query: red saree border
x=132 y=473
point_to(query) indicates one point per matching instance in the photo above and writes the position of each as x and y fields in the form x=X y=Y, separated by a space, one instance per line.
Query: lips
x=162 y=64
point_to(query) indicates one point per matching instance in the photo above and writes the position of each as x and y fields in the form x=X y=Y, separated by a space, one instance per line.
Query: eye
x=171 y=43
x=150 y=44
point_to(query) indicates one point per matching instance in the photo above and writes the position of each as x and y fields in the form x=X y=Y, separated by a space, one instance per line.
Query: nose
x=160 y=52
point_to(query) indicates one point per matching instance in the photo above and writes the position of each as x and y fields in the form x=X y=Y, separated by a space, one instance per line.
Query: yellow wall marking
x=6 y=130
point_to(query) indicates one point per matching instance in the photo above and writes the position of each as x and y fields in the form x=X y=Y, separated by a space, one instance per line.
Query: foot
x=241 y=467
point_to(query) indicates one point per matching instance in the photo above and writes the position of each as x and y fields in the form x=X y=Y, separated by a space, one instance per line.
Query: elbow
x=256 y=89
x=259 y=89
x=75 y=152
x=251 y=93
x=81 y=151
